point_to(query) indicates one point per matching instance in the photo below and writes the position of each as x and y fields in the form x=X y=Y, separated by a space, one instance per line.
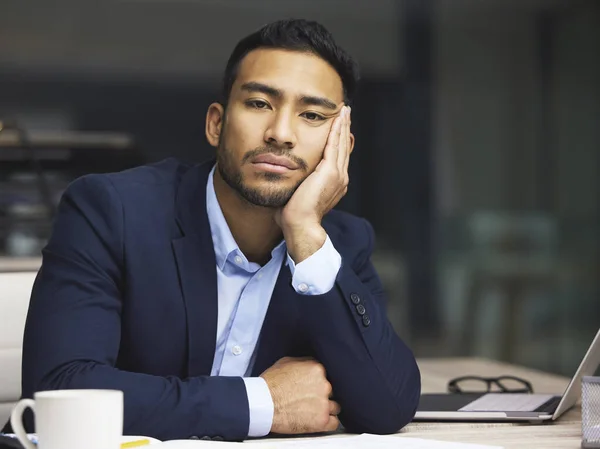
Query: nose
x=280 y=131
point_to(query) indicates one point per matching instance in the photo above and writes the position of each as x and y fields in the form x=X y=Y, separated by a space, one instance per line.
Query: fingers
x=332 y=425
x=334 y=408
x=335 y=157
x=333 y=140
x=328 y=389
x=344 y=151
x=344 y=135
x=348 y=142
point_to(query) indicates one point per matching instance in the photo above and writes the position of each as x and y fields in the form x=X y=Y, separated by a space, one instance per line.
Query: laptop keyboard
x=550 y=406
x=507 y=402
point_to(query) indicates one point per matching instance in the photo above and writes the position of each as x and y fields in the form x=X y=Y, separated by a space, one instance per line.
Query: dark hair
x=297 y=35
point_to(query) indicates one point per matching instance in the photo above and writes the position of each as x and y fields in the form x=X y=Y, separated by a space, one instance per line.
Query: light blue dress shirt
x=244 y=289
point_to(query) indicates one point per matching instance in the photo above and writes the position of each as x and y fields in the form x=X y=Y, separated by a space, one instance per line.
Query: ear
x=215 y=116
x=351 y=142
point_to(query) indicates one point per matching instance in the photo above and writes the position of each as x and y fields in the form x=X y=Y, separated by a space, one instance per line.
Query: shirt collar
x=225 y=245
x=223 y=241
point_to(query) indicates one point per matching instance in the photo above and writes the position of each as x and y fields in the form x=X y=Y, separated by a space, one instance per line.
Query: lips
x=271 y=159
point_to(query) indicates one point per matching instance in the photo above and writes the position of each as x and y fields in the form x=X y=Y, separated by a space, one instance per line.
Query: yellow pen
x=135 y=443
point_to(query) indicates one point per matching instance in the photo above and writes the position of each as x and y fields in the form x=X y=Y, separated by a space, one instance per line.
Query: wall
x=486 y=95
x=492 y=151
x=183 y=38
x=576 y=114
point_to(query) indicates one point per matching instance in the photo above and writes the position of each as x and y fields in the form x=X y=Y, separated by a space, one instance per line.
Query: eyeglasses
x=477 y=384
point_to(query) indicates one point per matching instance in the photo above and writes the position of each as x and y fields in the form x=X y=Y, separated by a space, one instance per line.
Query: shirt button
x=236 y=350
x=303 y=287
x=260 y=275
x=238 y=260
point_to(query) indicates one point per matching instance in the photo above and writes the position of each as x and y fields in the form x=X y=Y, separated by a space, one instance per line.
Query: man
x=227 y=300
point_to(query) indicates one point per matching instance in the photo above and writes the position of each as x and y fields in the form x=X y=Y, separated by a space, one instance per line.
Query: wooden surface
x=565 y=433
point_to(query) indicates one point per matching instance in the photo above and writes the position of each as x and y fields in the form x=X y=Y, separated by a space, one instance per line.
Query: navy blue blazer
x=126 y=299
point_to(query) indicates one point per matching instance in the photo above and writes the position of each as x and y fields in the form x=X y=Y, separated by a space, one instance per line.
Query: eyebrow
x=310 y=100
x=262 y=88
x=318 y=101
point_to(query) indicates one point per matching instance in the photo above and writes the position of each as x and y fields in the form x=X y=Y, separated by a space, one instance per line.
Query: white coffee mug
x=72 y=419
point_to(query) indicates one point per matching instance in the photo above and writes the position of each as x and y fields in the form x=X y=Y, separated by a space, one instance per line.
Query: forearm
x=162 y=407
x=303 y=241
x=374 y=374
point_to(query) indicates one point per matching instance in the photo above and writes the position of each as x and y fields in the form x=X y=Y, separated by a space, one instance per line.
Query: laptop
x=508 y=406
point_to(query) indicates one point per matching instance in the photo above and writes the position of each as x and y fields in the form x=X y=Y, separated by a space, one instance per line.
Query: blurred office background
x=477 y=158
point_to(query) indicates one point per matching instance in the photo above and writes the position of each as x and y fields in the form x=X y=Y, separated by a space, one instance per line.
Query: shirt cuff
x=316 y=274
x=261 y=406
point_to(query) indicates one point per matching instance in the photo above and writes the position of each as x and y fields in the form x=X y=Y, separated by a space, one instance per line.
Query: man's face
x=280 y=111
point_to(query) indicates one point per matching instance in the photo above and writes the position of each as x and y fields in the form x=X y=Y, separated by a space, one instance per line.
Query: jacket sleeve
x=374 y=375
x=73 y=329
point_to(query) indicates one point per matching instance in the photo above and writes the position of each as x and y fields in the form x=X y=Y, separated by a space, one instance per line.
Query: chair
x=15 y=291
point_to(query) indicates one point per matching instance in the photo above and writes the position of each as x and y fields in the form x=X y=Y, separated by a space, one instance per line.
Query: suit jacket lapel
x=195 y=256
x=196 y=265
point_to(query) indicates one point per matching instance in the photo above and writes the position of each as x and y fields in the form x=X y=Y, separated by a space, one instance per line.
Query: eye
x=257 y=104
x=312 y=116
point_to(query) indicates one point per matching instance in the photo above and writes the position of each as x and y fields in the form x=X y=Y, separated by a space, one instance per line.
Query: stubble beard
x=273 y=196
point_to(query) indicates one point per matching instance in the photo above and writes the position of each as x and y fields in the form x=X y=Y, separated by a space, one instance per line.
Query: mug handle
x=16 y=421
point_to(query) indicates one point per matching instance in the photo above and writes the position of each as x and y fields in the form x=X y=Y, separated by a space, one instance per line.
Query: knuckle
x=319 y=369
x=323 y=405
x=282 y=362
x=323 y=420
x=328 y=389
x=334 y=423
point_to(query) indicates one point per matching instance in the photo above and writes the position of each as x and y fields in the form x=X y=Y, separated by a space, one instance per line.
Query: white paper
x=131 y=438
x=378 y=442
x=354 y=442
x=198 y=444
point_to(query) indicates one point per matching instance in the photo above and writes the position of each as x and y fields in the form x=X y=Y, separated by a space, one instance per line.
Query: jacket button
x=354 y=298
x=360 y=309
x=366 y=320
